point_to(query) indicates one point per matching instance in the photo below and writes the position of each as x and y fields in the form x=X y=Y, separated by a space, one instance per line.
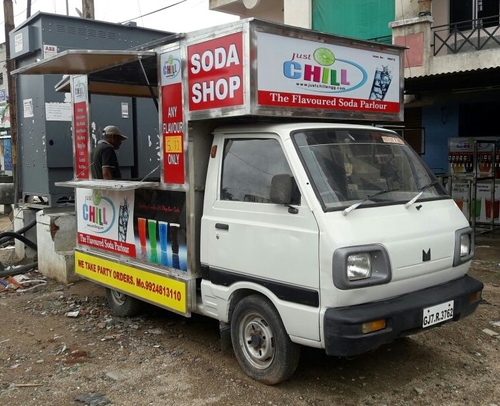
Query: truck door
x=244 y=235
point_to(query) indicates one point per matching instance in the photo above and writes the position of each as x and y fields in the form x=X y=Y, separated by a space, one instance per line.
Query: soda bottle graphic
x=123 y=215
x=141 y=227
x=381 y=82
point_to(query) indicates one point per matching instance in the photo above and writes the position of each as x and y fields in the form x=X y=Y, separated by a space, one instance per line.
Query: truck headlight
x=360 y=266
x=464 y=246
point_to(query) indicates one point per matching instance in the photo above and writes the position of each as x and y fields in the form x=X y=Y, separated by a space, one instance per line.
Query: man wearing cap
x=104 y=162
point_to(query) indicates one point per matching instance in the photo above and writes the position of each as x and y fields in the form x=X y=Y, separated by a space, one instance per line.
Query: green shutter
x=364 y=19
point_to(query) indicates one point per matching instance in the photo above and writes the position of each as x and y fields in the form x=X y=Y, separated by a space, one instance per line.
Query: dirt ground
x=61 y=345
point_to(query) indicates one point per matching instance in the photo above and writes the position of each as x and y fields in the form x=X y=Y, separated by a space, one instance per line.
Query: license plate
x=437 y=314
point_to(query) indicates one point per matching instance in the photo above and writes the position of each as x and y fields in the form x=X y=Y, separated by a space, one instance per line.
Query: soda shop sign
x=215 y=73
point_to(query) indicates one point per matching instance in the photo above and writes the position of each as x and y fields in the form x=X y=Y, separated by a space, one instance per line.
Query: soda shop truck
x=281 y=209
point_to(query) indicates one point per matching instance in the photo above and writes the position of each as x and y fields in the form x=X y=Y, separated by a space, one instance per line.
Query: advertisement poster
x=7 y=155
x=160 y=227
x=104 y=220
x=487 y=209
x=461 y=195
x=149 y=225
x=172 y=117
x=461 y=156
x=79 y=91
x=308 y=74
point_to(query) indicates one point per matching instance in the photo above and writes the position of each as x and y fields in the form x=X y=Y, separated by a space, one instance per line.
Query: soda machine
x=474 y=167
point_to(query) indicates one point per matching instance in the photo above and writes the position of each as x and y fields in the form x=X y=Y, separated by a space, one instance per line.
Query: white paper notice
x=18 y=42
x=58 y=112
x=28 y=108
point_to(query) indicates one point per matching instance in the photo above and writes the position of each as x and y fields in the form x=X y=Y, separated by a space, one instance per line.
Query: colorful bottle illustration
x=141 y=228
x=152 y=240
x=163 y=237
x=123 y=216
x=381 y=82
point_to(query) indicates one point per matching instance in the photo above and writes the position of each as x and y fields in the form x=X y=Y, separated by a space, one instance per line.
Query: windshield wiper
x=421 y=192
x=356 y=205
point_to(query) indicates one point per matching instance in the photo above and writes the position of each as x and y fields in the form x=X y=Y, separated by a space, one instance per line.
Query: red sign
x=215 y=73
x=118 y=247
x=81 y=140
x=173 y=134
x=307 y=101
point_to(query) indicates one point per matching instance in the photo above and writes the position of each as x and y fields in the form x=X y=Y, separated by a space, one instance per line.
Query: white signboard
x=308 y=74
x=125 y=110
x=58 y=112
x=18 y=42
x=105 y=220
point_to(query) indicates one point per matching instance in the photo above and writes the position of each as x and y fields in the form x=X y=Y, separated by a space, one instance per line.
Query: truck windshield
x=349 y=165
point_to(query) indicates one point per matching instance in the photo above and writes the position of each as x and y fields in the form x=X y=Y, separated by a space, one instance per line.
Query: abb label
x=215 y=70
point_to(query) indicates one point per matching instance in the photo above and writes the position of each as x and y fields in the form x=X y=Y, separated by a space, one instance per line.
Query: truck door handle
x=221 y=226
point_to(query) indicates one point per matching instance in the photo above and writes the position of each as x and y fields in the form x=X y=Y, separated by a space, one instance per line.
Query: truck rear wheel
x=261 y=343
x=122 y=304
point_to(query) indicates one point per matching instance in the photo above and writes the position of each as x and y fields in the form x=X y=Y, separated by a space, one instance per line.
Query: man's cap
x=113 y=130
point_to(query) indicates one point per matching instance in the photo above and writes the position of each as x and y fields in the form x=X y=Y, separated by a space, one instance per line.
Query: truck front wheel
x=260 y=342
x=122 y=304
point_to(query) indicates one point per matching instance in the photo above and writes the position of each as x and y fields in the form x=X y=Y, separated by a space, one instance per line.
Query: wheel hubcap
x=118 y=297
x=258 y=341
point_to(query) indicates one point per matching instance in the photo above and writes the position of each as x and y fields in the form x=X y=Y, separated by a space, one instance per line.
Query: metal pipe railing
x=464 y=35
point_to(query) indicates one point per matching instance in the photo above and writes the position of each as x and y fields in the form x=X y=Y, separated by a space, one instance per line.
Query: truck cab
x=349 y=235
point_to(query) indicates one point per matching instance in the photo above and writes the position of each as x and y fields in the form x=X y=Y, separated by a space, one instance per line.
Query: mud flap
x=225 y=336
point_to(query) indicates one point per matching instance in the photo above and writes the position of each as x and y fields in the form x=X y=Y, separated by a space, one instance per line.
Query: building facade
x=452 y=60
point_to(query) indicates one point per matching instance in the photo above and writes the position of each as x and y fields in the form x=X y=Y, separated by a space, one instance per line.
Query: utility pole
x=8 y=12
x=88 y=9
x=28 y=9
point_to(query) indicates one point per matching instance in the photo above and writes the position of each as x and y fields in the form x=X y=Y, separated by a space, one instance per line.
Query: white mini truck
x=282 y=210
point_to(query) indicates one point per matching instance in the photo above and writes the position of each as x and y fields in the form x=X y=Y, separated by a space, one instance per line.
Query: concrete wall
x=291 y=12
x=56 y=238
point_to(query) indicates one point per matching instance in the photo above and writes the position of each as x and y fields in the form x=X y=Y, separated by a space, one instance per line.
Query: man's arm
x=109 y=161
x=107 y=172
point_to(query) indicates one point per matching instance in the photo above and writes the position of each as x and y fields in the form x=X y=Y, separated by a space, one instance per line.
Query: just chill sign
x=308 y=74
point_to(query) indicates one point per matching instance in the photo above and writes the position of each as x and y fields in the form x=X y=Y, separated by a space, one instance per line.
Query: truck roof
x=290 y=126
x=250 y=68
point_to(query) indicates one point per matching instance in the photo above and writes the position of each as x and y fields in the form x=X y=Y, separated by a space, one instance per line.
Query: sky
x=181 y=16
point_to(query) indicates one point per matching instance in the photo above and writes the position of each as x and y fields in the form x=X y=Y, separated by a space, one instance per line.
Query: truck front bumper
x=403 y=315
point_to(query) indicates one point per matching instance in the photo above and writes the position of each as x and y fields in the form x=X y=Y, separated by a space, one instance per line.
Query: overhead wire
x=152 y=12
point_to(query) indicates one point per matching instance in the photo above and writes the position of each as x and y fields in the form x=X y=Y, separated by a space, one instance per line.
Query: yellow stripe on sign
x=173 y=144
x=164 y=291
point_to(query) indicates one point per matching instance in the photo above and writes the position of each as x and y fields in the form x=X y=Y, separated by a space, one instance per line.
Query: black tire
x=122 y=304
x=260 y=342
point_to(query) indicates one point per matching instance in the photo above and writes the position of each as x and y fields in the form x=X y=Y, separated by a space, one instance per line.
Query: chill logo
x=79 y=91
x=171 y=67
x=321 y=71
x=98 y=212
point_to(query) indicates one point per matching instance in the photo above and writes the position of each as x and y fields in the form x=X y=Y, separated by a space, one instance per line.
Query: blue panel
x=440 y=122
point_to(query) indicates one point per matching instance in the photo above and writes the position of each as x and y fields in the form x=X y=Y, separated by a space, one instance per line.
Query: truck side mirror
x=281 y=189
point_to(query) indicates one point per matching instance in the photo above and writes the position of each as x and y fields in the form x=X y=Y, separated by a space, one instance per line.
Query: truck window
x=348 y=165
x=248 y=168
